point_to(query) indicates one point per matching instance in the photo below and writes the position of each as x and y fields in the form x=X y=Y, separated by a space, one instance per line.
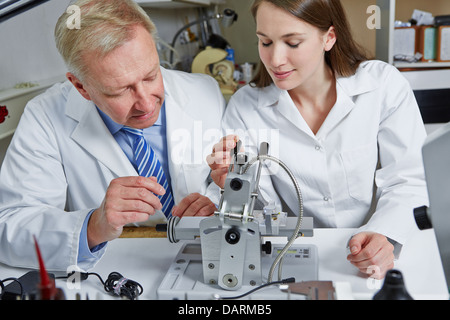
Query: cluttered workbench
x=235 y=253
x=146 y=260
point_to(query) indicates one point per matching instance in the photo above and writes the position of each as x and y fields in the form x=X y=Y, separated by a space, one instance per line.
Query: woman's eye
x=293 y=45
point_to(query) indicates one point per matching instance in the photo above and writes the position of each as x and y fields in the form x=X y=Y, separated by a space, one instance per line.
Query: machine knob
x=171 y=224
x=267 y=247
x=232 y=236
x=422 y=219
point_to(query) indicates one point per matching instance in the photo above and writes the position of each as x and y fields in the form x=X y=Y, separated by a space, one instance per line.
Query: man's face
x=127 y=84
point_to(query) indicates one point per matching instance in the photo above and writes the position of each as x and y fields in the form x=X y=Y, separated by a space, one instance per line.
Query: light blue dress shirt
x=156 y=138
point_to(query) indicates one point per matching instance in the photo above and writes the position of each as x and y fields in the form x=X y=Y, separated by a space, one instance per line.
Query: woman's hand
x=220 y=159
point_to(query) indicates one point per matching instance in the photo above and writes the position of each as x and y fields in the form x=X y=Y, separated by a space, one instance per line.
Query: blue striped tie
x=148 y=165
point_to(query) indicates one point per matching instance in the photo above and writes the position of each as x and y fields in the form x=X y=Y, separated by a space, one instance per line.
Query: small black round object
x=267 y=247
x=232 y=236
x=422 y=220
x=393 y=288
x=161 y=227
x=236 y=184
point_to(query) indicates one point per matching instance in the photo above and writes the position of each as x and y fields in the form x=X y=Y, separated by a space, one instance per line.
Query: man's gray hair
x=104 y=26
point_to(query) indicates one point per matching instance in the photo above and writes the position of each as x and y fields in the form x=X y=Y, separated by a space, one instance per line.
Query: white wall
x=28 y=50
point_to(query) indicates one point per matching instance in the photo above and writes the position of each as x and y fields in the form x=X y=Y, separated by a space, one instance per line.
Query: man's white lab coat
x=62 y=159
x=365 y=158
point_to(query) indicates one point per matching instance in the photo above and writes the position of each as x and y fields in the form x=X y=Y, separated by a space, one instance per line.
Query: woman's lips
x=282 y=74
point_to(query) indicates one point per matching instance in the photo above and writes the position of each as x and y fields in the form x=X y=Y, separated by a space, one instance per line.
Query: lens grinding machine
x=234 y=253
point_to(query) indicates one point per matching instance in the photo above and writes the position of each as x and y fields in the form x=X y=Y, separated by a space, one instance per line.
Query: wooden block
x=142 y=232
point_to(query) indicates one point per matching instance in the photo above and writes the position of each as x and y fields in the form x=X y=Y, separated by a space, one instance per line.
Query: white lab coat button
x=326 y=199
x=318 y=148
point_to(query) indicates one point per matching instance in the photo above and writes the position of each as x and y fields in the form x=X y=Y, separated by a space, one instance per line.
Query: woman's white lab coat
x=365 y=158
x=62 y=159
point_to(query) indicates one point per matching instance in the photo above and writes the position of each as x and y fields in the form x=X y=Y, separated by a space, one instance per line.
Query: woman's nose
x=278 y=57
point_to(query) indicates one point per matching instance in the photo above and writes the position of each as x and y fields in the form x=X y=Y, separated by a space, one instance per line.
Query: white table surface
x=146 y=261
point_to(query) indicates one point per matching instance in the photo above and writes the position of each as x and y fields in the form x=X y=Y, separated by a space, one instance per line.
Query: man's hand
x=371 y=253
x=219 y=160
x=194 y=205
x=127 y=200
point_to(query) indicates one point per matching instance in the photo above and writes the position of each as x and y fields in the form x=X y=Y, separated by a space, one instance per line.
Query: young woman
x=348 y=128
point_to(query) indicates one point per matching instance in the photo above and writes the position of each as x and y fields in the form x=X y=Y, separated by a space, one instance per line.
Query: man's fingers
x=194 y=205
x=139 y=182
x=140 y=198
x=183 y=205
x=135 y=205
x=133 y=194
x=127 y=217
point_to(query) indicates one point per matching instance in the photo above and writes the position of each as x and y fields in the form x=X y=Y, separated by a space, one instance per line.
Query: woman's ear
x=329 y=39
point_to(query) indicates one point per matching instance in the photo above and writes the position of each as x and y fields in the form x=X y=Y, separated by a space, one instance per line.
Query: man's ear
x=330 y=39
x=78 y=85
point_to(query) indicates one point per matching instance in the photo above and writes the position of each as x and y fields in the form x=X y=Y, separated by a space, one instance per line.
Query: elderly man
x=121 y=142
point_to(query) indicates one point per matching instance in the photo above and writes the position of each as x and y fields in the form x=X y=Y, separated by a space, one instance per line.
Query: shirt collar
x=269 y=96
x=361 y=82
x=114 y=127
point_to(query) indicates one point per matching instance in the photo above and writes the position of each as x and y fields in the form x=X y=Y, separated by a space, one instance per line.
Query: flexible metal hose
x=278 y=259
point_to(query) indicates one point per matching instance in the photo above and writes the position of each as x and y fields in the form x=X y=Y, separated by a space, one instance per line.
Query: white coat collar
x=172 y=88
x=347 y=88
x=178 y=118
x=361 y=82
x=92 y=135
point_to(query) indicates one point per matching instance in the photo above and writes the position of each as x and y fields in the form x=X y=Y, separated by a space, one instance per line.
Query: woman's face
x=292 y=50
